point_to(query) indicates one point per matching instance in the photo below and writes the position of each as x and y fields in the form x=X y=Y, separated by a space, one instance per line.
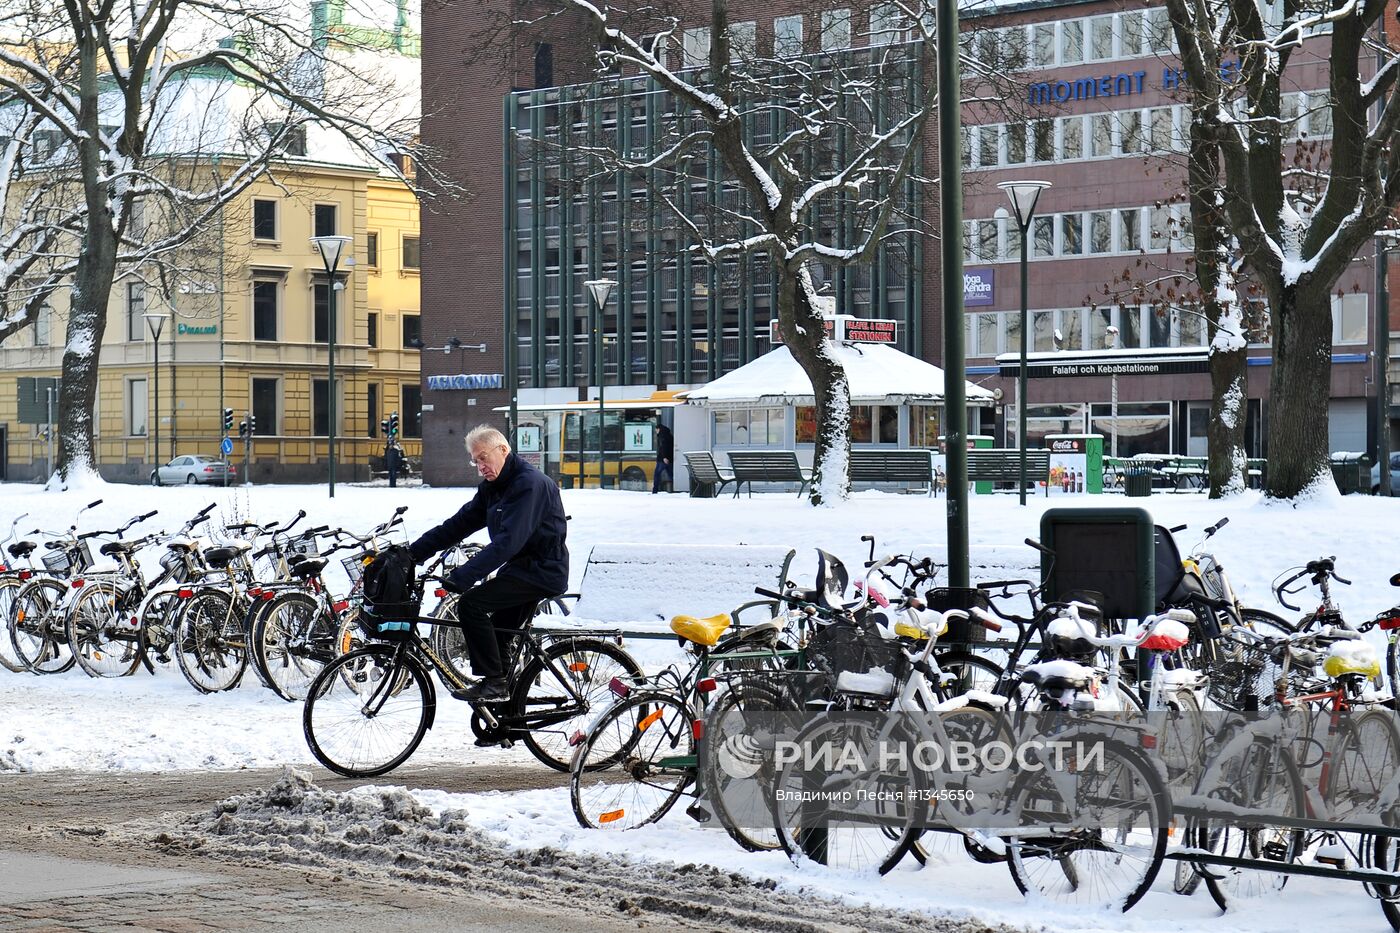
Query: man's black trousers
x=504 y=603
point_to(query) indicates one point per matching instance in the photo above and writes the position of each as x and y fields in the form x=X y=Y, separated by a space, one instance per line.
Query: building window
x=265 y=393
x=1071 y=137
x=1071 y=41
x=412 y=332
x=544 y=64
x=750 y=427
x=412 y=259
x=264 y=219
x=1101 y=232
x=135 y=307
x=411 y=411
x=787 y=37
x=291 y=140
x=374 y=328
x=372 y=250
x=320 y=409
x=695 y=47
x=325 y=220
x=320 y=313
x=43 y=325
x=1349 y=319
x=372 y=408
x=136 y=407
x=1129 y=230
x=886 y=21
x=265 y=310
x=743 y=40
x=836 y=29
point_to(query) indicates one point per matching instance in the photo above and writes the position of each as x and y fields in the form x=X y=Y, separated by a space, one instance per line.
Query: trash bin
x=699 y=490
x=1137 y=481
x=1352 y=472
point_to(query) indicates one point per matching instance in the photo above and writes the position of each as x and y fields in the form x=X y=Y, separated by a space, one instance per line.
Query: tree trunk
x=92 y=284
x=1225 y=433
x=1298 y=390
x=1226 y=462
x=805 y=336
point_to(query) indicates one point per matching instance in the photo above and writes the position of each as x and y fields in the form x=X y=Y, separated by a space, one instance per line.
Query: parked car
x=191 y=469
x=1394 y=476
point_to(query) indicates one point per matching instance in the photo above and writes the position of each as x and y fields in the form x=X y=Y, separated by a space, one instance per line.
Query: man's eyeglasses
x=484 y=457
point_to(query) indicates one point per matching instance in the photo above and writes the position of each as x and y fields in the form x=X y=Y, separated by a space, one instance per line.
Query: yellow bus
x=562 y=439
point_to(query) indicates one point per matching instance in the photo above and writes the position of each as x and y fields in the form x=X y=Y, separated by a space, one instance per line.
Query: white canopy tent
x=878 y=375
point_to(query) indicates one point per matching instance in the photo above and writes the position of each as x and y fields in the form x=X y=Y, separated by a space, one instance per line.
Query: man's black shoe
x=488 y=690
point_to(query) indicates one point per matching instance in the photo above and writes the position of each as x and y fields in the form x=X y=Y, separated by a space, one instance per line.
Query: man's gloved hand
x=457 y=581
x=448 y=585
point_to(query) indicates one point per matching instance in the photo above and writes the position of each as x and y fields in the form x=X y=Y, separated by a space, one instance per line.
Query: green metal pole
x=598 y=344
x=330 y=386
x=1021 y=376
x=508 y=253
x=954 y=368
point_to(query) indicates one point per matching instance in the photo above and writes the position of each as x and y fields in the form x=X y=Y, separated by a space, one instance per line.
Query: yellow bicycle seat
x=704 y=631
x=1352 y=657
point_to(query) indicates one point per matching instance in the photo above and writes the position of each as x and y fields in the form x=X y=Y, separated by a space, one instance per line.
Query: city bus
x=561 y=439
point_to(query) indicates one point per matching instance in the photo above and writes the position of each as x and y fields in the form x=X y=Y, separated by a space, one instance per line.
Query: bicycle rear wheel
x=1108 y=863
x=212 y=646
x=855 y=812
x=292 y=640
x=101 y=641
x=741 y=722
x=650 y=736
x=557 y=693
x=367 y=711
x=36 y=627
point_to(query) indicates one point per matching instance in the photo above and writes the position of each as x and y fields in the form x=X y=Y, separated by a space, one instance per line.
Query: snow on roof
x=877 y=373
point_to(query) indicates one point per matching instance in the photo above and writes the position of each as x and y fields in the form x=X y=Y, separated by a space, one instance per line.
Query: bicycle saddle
x=704 y=631
x=219 y=557
x=113 y=548
x=308 y=568
x=759 y=635
x=22 y=549
x=1058 y=675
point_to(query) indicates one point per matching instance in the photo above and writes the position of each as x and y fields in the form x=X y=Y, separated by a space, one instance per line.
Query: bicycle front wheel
x=9 y=588
x=103 y=645
x=36 y=627
x=367 y=711
x=212 y=646
x=557 y=693
x=650 y=737
x=1105 y=829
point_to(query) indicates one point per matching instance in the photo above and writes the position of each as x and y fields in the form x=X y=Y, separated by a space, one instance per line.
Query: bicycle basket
x=305 y=546
x=355 y=567
x=68 y=561
x=1243 y=674
x=856 y=658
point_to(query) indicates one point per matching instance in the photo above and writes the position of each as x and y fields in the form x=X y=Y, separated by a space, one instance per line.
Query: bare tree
x=1296 y=230
x=840 y=134
x=123 y=147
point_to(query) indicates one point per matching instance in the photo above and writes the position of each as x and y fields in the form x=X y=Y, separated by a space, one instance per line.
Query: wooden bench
x=1186 y=473
x=706 y=472
x=893 y=466
x=1004 y=465
x=767 y=466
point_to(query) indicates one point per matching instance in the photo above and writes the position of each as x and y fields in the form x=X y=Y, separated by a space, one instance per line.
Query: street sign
x=226 y=446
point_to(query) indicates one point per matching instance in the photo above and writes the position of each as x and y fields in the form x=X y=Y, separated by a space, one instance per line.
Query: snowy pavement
x=147 y=723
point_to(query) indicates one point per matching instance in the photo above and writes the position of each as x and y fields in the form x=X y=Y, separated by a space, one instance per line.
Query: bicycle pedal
x=698 y=813
x=1275 y=851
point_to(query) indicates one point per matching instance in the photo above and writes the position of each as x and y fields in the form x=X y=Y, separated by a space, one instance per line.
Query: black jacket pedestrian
x=665 y=444
x=524 y=515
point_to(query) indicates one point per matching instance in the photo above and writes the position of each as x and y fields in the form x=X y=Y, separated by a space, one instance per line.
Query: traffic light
x=228 y=419
x=252 y=424
x=242 y=429
x=384 y=426
x=394 y=424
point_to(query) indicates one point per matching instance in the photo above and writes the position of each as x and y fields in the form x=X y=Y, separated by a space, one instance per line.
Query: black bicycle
x=367 y=711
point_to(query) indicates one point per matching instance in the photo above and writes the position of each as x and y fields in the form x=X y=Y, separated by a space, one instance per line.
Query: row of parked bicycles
x=217 y=601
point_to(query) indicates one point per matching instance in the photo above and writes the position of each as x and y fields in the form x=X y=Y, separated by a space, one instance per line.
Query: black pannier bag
x=391 y=598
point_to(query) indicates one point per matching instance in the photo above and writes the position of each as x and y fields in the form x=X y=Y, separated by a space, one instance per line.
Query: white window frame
x=836 y=30
x=787 y=40
x=695 y=47
x=1359 y=304
x=129 y=403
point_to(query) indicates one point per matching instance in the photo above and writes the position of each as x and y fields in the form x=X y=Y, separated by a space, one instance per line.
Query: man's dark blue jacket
x=524 y=515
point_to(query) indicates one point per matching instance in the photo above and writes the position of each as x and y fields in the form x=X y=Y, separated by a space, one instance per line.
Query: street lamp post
x=1384 y=241
x=1111 y=342
x=330 y=249
x=1023 y=195
x=155 y=323
x=601 y=290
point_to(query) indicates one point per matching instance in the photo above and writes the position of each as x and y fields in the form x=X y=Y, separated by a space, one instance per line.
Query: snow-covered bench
x=644 y=585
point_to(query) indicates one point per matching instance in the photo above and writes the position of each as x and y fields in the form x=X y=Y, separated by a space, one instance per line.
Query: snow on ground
x=157 y=723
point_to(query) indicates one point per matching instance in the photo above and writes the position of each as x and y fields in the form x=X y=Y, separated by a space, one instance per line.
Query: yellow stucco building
x=247 y=330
